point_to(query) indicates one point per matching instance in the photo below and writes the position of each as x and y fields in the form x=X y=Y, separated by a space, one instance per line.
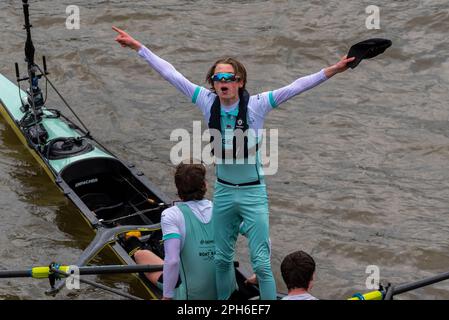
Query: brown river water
x=362 y=176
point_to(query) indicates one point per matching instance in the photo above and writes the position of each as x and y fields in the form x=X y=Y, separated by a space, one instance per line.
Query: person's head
x=297 y=270
x=190 y=180
x=227 y=78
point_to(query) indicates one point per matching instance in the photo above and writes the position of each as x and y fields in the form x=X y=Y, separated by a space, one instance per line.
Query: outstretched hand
x=340 y=66
x=126 y=40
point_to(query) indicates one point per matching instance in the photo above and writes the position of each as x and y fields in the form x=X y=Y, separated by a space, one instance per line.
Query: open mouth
x=224 y=90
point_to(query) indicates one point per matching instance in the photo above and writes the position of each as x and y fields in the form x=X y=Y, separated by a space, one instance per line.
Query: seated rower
x=298 y=272
x=188 y=241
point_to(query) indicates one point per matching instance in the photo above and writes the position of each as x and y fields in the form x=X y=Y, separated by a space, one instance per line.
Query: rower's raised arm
x=168 y=72
x=276 y=97
x=164 y=68
x=298 y=86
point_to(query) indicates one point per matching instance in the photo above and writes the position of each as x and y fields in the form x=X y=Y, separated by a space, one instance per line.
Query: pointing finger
x=118 y=30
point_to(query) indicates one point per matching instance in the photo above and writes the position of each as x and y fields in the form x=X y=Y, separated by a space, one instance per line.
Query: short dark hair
x=190 y=180
x=239 y=70
x=297 y=270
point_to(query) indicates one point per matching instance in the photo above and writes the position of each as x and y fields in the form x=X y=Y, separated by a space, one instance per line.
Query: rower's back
x=197 y=248
x=188 y=236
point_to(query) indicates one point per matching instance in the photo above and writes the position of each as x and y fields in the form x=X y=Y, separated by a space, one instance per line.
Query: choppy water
x=363 y=158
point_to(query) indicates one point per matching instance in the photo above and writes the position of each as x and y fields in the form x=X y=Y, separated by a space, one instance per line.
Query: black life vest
x=241 y=123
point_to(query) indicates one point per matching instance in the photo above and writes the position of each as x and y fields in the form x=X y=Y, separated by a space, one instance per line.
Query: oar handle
x=44 y=272
x=15 y=273
x=36 y=272
x=114 y=269
x=420 y=283
x=395 y=290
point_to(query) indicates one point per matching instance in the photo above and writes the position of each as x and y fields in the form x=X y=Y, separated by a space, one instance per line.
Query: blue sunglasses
x=224 y=76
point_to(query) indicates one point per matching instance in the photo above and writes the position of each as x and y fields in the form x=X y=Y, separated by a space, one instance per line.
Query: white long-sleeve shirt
x=259 y=105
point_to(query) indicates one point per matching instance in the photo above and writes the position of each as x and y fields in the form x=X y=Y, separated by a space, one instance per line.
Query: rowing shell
x=113 y=197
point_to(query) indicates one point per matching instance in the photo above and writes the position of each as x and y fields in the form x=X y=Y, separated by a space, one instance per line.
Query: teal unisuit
x=197 y=268
x=232 y=205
